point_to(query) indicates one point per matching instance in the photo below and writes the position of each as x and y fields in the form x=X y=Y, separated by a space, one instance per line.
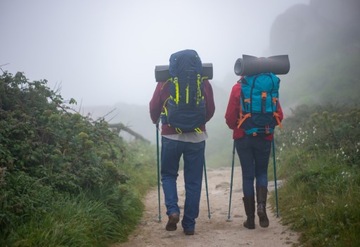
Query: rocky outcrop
x=316 y=28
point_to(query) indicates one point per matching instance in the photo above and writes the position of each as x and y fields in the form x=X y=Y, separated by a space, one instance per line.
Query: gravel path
x=216 y=231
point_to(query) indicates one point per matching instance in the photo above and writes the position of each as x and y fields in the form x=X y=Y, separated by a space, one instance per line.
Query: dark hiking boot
x=261 y=195
x=249 y=205
x=173 y=220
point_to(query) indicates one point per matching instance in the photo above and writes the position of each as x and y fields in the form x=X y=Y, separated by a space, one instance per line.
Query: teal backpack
x=259 y=101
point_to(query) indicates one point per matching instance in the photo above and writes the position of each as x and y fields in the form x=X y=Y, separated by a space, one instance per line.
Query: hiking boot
x=173 y=220
x=249 y=204
x=261 y=195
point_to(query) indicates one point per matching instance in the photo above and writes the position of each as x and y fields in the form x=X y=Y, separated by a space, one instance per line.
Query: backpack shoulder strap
x=242 y=116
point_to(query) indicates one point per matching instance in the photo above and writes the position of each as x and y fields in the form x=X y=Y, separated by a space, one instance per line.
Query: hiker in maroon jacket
x=254 y=153
x=190 y=145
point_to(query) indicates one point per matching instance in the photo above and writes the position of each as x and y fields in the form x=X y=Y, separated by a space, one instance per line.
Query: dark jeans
x=254 y=153
x=193 y=156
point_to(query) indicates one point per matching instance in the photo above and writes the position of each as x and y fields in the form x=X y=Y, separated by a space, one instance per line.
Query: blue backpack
x=185 y=108
x=258 y=103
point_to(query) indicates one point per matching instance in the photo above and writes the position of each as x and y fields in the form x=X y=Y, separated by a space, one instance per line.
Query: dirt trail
x=216 y=231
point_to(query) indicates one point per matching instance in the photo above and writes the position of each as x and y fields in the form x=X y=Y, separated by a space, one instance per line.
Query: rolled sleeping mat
x=162 y=72
x=250 y=65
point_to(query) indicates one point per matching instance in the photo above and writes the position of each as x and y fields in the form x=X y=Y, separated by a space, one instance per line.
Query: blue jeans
x=254 y=154
x=193 y=156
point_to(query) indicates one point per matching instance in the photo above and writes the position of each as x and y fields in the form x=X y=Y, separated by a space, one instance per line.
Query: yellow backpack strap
x=164 y=106
x=177 y=90
x=179 y=131
x=163 y=85
x=199 y=95
x=164 y=109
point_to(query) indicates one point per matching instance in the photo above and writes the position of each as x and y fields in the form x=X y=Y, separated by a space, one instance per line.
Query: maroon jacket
x=233 y=113
x=160 y=95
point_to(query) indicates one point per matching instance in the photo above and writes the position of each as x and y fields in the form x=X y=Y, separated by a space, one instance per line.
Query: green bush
x=318 y=156
x=65 y=180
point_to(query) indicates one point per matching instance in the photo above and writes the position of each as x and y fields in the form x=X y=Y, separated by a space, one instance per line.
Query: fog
x=105 y=52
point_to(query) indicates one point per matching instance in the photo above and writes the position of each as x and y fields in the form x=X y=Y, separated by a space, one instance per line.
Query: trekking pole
x=275 y=179
x=158 y=168
x=207 y=190
x=231 y=179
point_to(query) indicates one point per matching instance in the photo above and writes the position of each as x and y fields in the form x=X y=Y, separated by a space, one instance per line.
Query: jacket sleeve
x=233 y=107
x=156 y=103
x=209 y=99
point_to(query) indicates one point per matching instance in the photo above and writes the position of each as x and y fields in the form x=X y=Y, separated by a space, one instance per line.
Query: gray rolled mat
x=162 y=72
x=250 y=65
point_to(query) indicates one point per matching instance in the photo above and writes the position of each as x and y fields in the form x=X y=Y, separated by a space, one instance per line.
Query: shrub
x=318 y=155
x=65 y=180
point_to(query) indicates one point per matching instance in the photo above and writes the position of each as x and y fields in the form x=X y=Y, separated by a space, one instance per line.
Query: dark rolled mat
x=250 y=65
x=162 y=72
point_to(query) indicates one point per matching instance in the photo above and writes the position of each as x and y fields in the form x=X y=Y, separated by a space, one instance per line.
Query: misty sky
x=104 y=52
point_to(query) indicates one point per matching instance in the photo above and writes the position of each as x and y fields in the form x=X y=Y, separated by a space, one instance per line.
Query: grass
x=320 y=163
x=80 y=221
x=40 y=216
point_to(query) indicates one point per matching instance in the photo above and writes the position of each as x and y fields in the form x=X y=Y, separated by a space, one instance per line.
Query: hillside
x=323 y=41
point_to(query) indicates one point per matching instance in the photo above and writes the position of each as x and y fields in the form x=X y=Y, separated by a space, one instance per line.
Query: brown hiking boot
x=173 y=220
